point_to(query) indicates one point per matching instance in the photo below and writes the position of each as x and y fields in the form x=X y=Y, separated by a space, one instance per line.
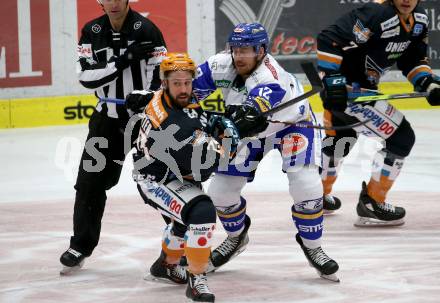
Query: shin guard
x=198 y=241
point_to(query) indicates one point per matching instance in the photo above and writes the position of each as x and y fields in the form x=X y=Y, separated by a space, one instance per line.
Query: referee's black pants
x=99 y=170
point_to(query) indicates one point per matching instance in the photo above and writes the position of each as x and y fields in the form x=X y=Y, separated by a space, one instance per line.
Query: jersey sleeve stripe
x=417 y=72
x=329 y=61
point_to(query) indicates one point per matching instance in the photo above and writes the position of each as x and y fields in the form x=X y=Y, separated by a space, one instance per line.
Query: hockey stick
x=312 y=73
x=113 y=100
x=305 y=125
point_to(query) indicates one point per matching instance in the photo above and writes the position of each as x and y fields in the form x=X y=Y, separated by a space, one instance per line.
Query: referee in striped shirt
x=118 y=52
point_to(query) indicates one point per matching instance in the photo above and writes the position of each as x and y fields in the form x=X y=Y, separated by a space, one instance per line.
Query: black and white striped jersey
x=97 y=49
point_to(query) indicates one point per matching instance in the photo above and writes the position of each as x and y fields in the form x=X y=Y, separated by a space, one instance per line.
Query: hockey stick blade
x=312 y=75
x=389 y=97
x=315 y=81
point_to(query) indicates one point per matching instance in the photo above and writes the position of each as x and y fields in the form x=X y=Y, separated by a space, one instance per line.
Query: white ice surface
x=388 y=265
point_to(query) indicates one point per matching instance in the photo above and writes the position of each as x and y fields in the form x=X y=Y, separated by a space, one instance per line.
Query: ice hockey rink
x=398 y=264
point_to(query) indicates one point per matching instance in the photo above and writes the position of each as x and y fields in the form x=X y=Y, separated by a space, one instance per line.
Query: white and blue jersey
x=268 y=86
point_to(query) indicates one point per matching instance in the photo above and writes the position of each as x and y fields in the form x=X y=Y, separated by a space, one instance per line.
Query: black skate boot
x=230 y=248
x=372 y=213
x=324 y=265
x=72 y=260
x=162 y=271
x=330 y=204
x=197 y=289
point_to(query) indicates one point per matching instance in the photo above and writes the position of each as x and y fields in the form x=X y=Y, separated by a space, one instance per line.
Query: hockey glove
x=247 y=119
x=334 y=95
x=431 y=85
x=134 y=53
x=220 y=128
x=138 y=99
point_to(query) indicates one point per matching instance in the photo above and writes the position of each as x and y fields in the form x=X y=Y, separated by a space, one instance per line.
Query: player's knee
x=402 y=141
x=201 y=212
x=338 y=147
x=305 y=184
x=225 y=190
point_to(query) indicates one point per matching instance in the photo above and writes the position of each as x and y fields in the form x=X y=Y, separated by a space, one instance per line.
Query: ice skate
x=372 y=213
x=229 y=248
x=330 y=204
x=323 y=264
x=197 y=289
x=163 y=272
x=72 y=261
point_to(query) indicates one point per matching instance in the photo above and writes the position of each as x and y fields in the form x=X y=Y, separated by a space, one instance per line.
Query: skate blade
x=150 y=278
x=66 y=270
x=331 y=277
x=328 y=212
x=371 y=222
x=212 y=268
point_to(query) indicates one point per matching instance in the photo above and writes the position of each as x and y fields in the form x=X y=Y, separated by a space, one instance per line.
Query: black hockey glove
x=138 y=99
x=431 y=85
x=247 y=119
x=334 y=95
x=220 y=128
x=134 y=53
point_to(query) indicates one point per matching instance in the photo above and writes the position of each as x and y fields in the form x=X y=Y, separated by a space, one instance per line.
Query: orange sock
x=172 y=246
x=379 y=190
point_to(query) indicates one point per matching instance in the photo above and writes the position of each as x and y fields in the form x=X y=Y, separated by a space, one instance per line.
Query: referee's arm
x=93 y=74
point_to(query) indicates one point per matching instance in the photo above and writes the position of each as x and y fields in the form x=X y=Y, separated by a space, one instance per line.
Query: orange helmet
x=177 y=62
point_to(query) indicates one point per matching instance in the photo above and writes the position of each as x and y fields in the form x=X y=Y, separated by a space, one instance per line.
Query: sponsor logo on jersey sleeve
x=391 y=33
x=422 y=18
x=156 y=112
x=390 y=23
x=85 y=51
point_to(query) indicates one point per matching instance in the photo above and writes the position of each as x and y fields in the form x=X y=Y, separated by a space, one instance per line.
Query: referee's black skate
x=372 y=213
x=330 y=204
x=324 y=265
x=71 y=260
x=197 y=289
x=162 y=271
x=230 y=248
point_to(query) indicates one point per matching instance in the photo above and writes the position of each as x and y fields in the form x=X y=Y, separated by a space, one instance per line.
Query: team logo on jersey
x=391 y=33
x=361 y=33
x=390 y=23
x=96 y=28
x=137 y=25
x=294 y=144
x=418 y=29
